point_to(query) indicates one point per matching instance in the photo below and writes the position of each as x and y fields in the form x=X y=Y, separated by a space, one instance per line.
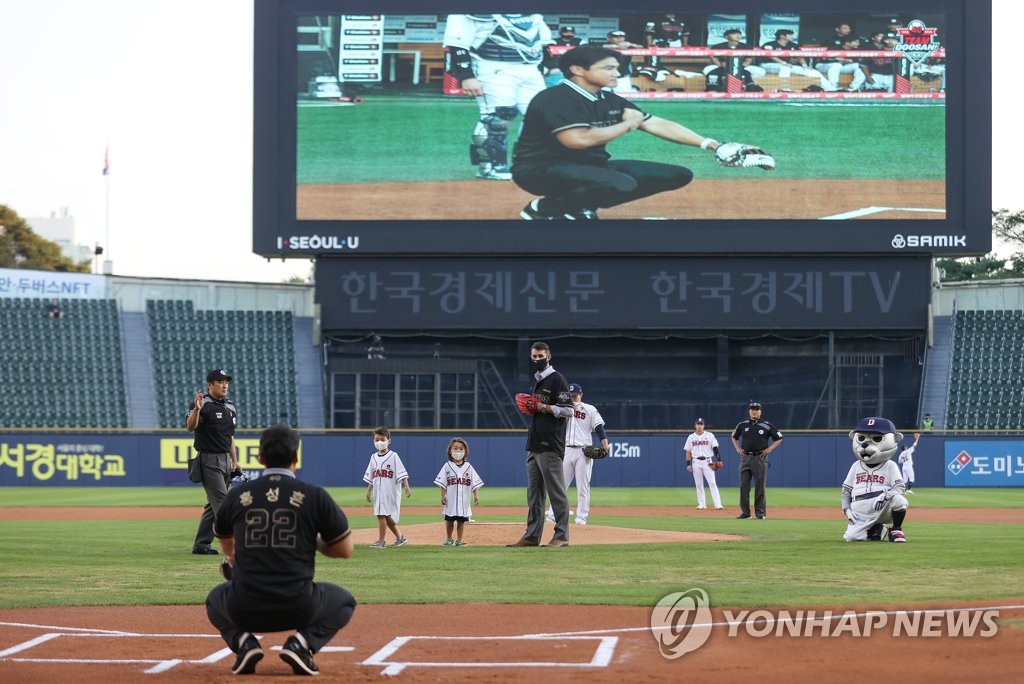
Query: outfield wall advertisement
x=640 y=459
x=984 y=463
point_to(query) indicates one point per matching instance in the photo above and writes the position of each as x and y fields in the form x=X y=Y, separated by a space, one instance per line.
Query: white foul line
x=731 y=623
x=864 y=211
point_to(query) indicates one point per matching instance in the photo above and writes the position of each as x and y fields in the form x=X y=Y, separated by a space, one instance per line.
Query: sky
x=166 y=86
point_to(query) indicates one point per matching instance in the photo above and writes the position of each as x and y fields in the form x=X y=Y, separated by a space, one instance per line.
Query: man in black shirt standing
x=753 y=440
x=213 y=418
x=270 y=530
x=561 y=154
x=545 y=450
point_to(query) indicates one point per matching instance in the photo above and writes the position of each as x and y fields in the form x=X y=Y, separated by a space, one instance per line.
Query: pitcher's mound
x=501 y=533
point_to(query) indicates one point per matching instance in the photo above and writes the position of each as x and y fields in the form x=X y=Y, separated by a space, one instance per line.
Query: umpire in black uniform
x=270 y=530
x=213 y=418
x=753 y=440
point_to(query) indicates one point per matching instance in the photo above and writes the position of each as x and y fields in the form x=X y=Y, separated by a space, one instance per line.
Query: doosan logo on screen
x=901 y=241
x=318 y=242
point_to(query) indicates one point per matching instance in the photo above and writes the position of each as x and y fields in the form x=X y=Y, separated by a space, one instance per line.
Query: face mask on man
x=539 y=364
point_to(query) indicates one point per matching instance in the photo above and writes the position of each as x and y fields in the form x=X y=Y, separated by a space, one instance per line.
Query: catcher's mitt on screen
x=740 y=155
x=595 y=452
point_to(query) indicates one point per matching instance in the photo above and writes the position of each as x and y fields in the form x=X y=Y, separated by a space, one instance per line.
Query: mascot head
x=875 y=440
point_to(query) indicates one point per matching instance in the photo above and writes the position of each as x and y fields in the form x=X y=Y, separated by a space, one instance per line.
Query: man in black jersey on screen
x=270 y=530
x=561 y=156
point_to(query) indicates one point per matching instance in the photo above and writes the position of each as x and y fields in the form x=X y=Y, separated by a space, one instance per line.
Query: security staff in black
x=270 y=529
x=545 y=451
x=561 y=156
x=213 y=418
x=753 y=440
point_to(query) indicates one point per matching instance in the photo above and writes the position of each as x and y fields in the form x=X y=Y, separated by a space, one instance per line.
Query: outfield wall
x=338 y=459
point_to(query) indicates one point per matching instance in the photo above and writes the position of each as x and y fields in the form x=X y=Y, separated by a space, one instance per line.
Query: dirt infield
x=486 y=513
x=740 y=198
x=470 y=644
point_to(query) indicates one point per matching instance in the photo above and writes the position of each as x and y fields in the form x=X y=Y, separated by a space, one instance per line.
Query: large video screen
x=869 y=123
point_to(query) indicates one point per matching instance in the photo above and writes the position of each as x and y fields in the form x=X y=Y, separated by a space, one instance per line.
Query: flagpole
x=106 y=180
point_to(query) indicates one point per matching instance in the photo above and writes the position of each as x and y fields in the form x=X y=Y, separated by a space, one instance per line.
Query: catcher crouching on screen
x=561 y=155
x=873 y=489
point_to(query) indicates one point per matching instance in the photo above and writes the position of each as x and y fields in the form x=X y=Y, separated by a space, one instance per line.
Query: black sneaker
x=249 y=653
x=583 y=215
x=299 y=657
x=742 y=516
x=531 y=212
x=204 y=551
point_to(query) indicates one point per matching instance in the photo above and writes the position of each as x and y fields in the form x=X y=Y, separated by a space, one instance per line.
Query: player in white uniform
x=701 y=451
x=496 y=58
x=386 y=476
x=906 y=461
x=873 y=489
x=586 y=420
x=457 y=481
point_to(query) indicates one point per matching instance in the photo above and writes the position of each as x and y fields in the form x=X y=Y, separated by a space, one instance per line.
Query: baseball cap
x=875 y=424
x=575 y=389
x=564 y=29
x=616 y=33
x=215 y=375
x=699 y=421
x=894 y=20
x=754 y=405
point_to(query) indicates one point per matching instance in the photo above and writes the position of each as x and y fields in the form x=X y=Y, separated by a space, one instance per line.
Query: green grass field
x=784 y=562
x=392 y=138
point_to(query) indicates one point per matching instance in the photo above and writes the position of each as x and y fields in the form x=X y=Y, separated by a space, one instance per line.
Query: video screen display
x=784 y=127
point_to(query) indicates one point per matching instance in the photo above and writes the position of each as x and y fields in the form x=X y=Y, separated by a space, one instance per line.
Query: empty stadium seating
x=61 y=372
x=255 y=347
x=986 y=387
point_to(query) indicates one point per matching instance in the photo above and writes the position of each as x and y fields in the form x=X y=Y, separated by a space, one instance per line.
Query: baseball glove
x=527 y=403
x=716 y=465
x=595 y=452
x=745 y=156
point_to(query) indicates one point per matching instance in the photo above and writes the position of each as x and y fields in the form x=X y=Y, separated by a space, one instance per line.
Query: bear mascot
x=873 y=489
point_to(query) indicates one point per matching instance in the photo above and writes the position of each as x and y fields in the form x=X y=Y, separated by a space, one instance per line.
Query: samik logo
x=899 y=241
x=318 y=242
x=681 y=622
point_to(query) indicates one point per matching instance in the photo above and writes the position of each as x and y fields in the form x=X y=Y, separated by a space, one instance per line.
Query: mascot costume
x=873 y=489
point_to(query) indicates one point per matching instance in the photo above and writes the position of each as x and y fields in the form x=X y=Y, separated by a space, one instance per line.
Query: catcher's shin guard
x=490 y=137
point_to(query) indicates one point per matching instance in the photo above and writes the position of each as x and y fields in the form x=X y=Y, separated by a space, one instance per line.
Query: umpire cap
x=875 y=424
x=754 y=405
x=216 y=375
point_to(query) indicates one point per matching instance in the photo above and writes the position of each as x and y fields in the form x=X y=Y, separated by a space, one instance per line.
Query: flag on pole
x=106 y=160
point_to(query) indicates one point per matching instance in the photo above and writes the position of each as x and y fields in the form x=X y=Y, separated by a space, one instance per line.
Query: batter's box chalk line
x=602 y=653
x=156 y=665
